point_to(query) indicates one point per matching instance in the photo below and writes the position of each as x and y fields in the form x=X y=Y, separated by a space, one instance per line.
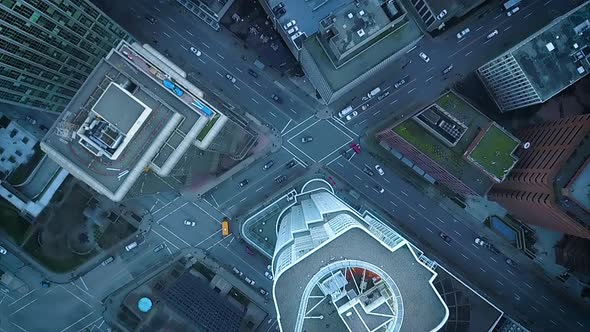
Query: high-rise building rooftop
x=542 y=65
x=136 y=112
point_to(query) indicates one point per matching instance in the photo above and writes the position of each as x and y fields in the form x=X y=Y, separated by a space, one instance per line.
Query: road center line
x=411 y=90
x=243 y=199
x=508 y=28
x=428 y=79
x=379 y=111
x=393 y=102
x=259 y=189
x=481 y=27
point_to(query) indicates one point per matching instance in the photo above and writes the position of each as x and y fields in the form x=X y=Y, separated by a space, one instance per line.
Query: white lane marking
x=529 y=286
x=546 y=3
x=76 y=296
x=170 y=18
x=207 y=213
x=440 y=220
x=254 y=100
x=457 y=233
x=167 y=35
x=479 y=28
x=189 y=33
x=24 y=306
x=339 y=164
x=379 y=111
x=218 y=73
x=156 y=8
x=207 y=238
x=384 y=179
x=467 y=54
x=83 y=283
x=497 y=17
x=243 y=199
x=535 y=308
x=492 y=258
x=544 y=298
x=422 y=206
x=207 y=46
x=482 y=269
x=176 y=236
x=238 y=69
x=508 y=28
x=429 y=70
x=579 y=324
x=561 y=309
x=186 y=49
x=473 y=244
x=271 y=113
x=552 y=322
x=455 y=220
x=527 y=15
x=235 y=86
x=411 y=90
x=221 y=56
x=411 y=216
x=404 y=193
x=203 y=61
x=430 y=230
x=165 y=239
x=171 y=212
x=428 y=79
x=461 y=40
x=360 y=123
x=287 y=125
x=259 y=189
x=464 y=256
x=292 y=110
x=358 y=177
x=487 y=41
x=257 y=84
x=510 y=272
x=78 y=321
x=393 y=102
x=498 y=281
x=393 y=203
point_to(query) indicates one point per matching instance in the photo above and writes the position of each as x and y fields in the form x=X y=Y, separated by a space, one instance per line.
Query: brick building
x=550 y=185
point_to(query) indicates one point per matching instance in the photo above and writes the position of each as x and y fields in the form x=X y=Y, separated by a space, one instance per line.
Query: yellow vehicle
x=225 y=227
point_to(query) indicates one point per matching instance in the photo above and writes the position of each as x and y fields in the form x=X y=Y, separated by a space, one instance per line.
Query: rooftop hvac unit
x=361 y=32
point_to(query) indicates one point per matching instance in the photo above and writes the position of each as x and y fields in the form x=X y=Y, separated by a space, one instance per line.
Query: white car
x=513 y=11
x=195 y=51
x=424 y=57
x=351 y=115
x=3 y=250
x=292 y=30
x=365 y=106
x=289 y=24
x=268 y=275
x=379 y=170
x=492 y=34
x=189 y=222
x=442 y=14
x=463 y=33
x=230 y=78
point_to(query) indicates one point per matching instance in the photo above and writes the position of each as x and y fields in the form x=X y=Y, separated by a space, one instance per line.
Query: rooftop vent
x=361 y=32
x=550 y=47
x=350 y=16
x=362 y=12
x=581 y=70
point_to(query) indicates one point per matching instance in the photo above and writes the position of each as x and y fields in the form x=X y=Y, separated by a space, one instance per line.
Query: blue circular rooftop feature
x=144 y=304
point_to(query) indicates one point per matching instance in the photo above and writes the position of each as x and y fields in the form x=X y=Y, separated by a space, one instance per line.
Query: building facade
x=550 y=185
x=49 y=48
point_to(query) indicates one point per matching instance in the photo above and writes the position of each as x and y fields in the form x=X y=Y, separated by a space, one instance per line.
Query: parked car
x=510 y=262
x=281 y=12
x=355 y=147
x=243 y=183
x=281 y=179
x=368 y=171
x=351 y=115
x=45 y=284
x=463 y=33
x=492 y=34
x=424 y=57
x=195 y=51
x=276 y=98
x=189 y=223
x=253 y=73
x=306 y=139
x=400 y=83
x=250 y=281
x=292 y=30
x=513 y=11
x=365 y=106
x=131 y=245
x=151 y=19
x=383 y=96
x=3 y=250
x=278 y=7
x=447 y=69
x=442 y=14
x=268 y=165
x=269 y=267
x=160 y=247
x=291 y=164
x=480 y=242
x=263 y=291
x=31 y=120
x=379 y=170
x=238 y=272
x=108 y=261
x=249 y=250
x=379 y=189
x=230 y=78
x=268 y=275
x=289 y=24
x=445 y=237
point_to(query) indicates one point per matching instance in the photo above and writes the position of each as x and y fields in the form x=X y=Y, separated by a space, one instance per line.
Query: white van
x=130 y=246
x=345 y=111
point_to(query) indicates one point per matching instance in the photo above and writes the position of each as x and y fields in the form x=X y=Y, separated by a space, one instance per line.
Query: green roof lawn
x=494 y=152
x=207 y=127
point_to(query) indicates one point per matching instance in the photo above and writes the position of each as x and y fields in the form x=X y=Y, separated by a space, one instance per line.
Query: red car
x=355 y=147
x=331 y=180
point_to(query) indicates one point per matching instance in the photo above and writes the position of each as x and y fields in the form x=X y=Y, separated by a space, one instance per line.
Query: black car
x=447 y=70
x=368 y=171
x=252 y=73
x=281 y=179
x=276 y=98
x=281 y=12
x=268 y=165
x=278 y=7
x=292 y=163
x=151 y=19
x=243 y=183
x=444 y=237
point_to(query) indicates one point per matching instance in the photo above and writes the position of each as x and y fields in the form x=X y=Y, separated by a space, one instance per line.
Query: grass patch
x=207 y=127
x=23 y=171
x=12 y=223
x=494 y=152
x=57 y=265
